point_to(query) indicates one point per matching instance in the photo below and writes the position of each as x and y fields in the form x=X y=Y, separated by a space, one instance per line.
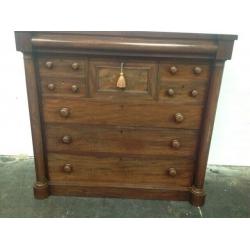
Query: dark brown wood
x=41 y=189
x=87 y=111
x=123 y=114
x=179 y=194
x=120 y=171
x=208 y=122
x=77 y=139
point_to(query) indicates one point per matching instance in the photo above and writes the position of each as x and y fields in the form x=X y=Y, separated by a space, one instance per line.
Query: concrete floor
x=228 y=195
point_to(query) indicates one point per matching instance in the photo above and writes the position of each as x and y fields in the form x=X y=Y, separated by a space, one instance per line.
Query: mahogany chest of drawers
x=122 y=114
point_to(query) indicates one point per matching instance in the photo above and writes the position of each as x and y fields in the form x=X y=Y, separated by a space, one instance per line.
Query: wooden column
x=41 y=189
x=197 y=191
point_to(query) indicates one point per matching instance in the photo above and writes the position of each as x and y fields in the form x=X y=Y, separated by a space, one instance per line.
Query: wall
x=230 y=142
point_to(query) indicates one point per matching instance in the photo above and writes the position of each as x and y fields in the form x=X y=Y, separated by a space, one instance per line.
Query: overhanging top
x=216 y=45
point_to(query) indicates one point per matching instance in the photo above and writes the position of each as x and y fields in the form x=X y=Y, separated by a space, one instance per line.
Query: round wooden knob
x=49 y=65
x=194 y=93
x=67 y=168
x=173 y=70
x=51 y=86
x=172 y=172
x=66 y=139
x=74 y=88
x=197 y=70
x=170 y=92
x=75 y=66
x=175 y=144
x=64 y=112
x=179 y=117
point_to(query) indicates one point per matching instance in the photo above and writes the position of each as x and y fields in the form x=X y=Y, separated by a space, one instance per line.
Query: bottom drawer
x=119 y=171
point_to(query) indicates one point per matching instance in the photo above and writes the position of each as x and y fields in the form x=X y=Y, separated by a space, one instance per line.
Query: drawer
x=119 y=171
x=60 y=87
x=140 y=78
x=184 y=91
x=122 y=113
x=77 y=139
x=175 y=70
x=62 y=66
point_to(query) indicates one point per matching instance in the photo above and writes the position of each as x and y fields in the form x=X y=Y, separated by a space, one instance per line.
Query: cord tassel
x=121 y=83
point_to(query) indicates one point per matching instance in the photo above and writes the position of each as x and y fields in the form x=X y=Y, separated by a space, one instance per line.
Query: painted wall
x=230 y=142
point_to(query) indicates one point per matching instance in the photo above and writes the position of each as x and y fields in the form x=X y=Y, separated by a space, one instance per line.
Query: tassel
x=121 y=83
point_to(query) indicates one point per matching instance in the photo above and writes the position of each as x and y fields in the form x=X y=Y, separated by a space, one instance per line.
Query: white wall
x=230 y=143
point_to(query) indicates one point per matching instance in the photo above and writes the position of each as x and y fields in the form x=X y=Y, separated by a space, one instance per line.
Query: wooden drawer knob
x=64 y=112
x=49 y=65
x=173 y=70
x=175 y=144
x=75 y=66
x=67 y=168
x=66 y=139
x=172 y=172
x=170 y=92
x=179 y=117
x=194 y=93
x=74 y=88
x=51 y=86
x=197 y=70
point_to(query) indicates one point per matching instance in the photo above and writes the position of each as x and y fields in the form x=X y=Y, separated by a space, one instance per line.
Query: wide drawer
x=119 y=171
x=123 y=113
x=77 y=139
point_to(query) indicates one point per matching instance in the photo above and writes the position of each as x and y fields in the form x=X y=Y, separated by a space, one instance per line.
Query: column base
x=41 y=190
x=197 y=196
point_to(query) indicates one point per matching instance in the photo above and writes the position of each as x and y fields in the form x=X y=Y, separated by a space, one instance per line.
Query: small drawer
x=175 y=70
x=183 y=91
x=77 y=139
x=62 y=66
x=120 y=171
x=139 y=77
x=52 y=86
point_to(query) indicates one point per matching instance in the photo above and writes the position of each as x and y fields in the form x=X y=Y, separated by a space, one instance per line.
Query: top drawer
x=56 y=66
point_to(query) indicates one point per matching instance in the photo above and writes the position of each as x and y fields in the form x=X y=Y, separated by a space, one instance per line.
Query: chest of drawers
x=122 y=114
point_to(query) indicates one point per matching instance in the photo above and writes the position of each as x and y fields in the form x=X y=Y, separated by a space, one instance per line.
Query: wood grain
x=120 y=141
x=120 y=171
x=62 y=66
x=141 y=77
x=121 y=113
x=63 y=86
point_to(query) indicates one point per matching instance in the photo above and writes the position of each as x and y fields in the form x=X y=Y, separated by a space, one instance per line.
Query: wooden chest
x=122 y=114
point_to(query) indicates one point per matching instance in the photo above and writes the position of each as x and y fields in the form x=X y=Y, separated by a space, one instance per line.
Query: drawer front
x=56 y=66
x=184 y=69
x=122 y=114
x=183 y=81
x=119 y=171
x=76 y=139
x=60 y=87
x=140 y=78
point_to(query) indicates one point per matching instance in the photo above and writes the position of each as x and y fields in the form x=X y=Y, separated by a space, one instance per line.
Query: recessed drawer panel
x=123 y=113
x=119 y=171
x=64 y=66
x=76 y=139
x=139 y=78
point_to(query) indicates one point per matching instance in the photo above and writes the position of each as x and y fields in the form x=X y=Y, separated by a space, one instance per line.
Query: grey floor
x=227 y=188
